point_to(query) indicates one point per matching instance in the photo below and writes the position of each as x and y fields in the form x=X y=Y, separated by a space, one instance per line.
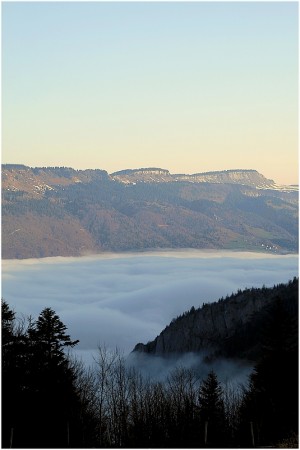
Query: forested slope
x=61 y=211
x=231 y=327
x=52 y=401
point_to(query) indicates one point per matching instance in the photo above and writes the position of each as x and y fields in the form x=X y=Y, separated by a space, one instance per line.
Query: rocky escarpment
x=243 y=177
x=156 y=175
x=143 y=175
x=60 y=211
x=36 y=181
x=229 y=327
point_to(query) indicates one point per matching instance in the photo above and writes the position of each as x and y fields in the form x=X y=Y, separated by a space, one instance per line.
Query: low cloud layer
x=158 y=368
x=122 y=299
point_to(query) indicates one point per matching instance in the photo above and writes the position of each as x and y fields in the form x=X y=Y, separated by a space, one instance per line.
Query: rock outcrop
x=219 y=327
x=60 y=211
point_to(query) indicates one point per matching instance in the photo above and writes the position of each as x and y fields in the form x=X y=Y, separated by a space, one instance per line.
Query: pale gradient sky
x=189 y=87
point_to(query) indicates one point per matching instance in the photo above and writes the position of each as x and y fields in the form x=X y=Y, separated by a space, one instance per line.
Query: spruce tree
x=42 y=406
x=14 y=373
x=271 y=403
x=54 y=398
x=8 y=322
x=49 y=336
x=8 y=378
x=212 y=412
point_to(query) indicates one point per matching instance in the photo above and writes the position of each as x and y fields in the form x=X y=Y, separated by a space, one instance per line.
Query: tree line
x=51 y=400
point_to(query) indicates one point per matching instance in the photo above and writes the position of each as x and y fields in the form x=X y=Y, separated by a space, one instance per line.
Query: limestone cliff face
x=144 y=175
x=211 y=326
x=245 y=177
x=156 y=175
x=60 y=211
x=250 y=178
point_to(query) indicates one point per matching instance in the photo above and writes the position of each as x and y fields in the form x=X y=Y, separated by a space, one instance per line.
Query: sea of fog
x=118 y=300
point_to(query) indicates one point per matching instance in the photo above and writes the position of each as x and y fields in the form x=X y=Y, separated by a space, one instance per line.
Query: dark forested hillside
x=232 y=327
x=51 y=401
x=62 y=211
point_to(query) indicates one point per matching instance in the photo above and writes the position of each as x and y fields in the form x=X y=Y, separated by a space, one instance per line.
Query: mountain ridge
x=60 y=211
x=228 y=327
x=248 y=177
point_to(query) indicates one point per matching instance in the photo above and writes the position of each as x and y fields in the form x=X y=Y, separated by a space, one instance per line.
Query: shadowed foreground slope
x=231 y=327
x=50 y=401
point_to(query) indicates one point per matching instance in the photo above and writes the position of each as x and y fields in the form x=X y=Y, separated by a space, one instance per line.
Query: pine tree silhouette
x=212 y=411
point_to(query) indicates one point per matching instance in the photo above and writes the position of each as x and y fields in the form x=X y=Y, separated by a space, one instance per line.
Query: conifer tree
x=8 y=320
x=8 y=381
x=14 y=345
x=271 y=402
x=49 y=335
x=212 y=411
x=54 y=398
x=42 y=406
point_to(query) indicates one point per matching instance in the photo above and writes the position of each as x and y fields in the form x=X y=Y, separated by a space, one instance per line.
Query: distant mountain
x=232 y=327
x=244 y=177
x=52 y=211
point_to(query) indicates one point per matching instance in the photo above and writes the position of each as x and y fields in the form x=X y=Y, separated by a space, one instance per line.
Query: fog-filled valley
x=69 y=327
x=122 y=299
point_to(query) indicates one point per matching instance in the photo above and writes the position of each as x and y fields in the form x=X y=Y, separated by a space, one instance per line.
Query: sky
x=185 y=86
x=119 y=300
